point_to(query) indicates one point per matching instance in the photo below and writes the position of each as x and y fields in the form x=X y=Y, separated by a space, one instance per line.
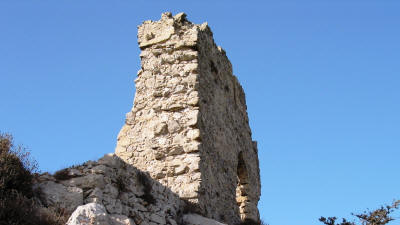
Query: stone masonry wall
x=229 y=161
x=189 y=126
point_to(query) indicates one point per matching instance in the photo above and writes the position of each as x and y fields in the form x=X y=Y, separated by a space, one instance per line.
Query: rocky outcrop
x=96 y=214
x=195 y=219
x=91 y=213
x=66 y=197
x=118 y=191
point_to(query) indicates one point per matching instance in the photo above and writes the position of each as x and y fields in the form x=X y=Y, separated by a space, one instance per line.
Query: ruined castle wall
x=228 y=152
x=160 y=134
x=189 y=126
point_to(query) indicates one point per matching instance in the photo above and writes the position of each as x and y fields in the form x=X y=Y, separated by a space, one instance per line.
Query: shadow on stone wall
x=128 y=195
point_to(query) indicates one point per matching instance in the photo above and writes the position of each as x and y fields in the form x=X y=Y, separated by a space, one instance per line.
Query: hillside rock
x=195 y=219
x=57 y=194
x=111 y=190
x=92 y=213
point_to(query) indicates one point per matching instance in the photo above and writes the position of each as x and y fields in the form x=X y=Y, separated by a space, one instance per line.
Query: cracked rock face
x=121 y=199
x=110 y=192
x=189 y=125
x=96 y=214
x=57 y=194
x=91 y=213
x=194 y=219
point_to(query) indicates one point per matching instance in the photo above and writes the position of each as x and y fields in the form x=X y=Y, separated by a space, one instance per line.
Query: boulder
x=92 y=213
x=195 y=219
x=121 y=220
x=55 y=194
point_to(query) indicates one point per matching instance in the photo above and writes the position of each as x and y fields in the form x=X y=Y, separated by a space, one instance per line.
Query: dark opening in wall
x=242 y=186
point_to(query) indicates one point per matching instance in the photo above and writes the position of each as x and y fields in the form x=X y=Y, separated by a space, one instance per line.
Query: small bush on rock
x=62 y=174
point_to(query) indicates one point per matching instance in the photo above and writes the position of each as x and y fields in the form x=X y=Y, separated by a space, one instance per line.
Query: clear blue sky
x=322 y=81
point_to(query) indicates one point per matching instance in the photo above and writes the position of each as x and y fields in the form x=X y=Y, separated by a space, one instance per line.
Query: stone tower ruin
x=189 y=126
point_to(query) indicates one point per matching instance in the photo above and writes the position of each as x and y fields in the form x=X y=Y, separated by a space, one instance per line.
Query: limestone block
x=191 y=146
x=193 y=134
x=173 y=126
x=189 y=191
x=195 y=219
x=180 y=169
x=178 y=139
x=176 y=150
x=193 y=98
x=121 y=220
x=92 y=213
x=193 y=117
x=191 y=67
x=191 y=80
x=151 y=33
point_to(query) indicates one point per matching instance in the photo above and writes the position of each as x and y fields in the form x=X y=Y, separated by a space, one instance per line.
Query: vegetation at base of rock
x=17 y=209
x=19 y=204
x=146 y=182
x=379 y=216
x=16 y=169
x=62 y=174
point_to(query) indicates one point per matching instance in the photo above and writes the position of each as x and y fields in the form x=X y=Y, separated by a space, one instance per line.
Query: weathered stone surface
x=189 y=125
x=121 y=220
x=90 y=180
x=124 y=195
x=68 y=198
x=92 y=213
x=96 y=214
x=194 y=219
